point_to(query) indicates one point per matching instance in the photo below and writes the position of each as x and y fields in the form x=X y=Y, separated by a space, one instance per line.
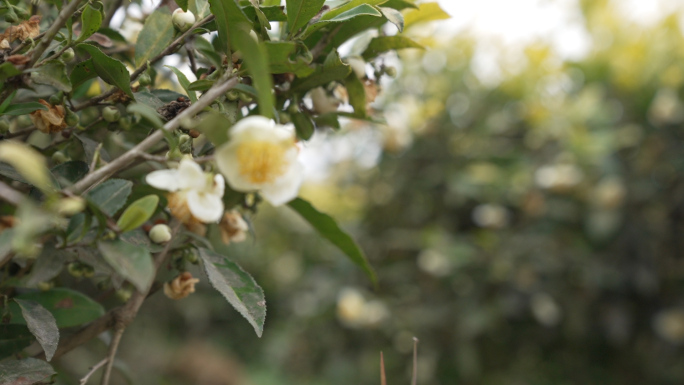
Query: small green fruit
x=75 y=270
x=71 y=118
x=124 y=294
x=145 y=79
x=391 y=72
x=59 y=157
x=68 y=55
x=111 y=114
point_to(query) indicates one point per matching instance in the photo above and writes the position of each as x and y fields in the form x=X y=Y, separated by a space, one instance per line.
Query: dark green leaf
x=330 y=230
x=237 y=287
x=332 y=70
x=166 y=96
x=6 y=237
x=24 y=372
x=156 y=35
x=299 y=12
x=387 y=43
x=399 y=4
x=13 y=338
x=333 y=13
x=215 y=126
x=110 y=196
x=182 y=4
x=52 y=73
x=69 y=173
x=289 y=57
x=327 y=120
x=91 y=20
x=361 y=10
x=7 y=70
x=140 y=238
x=149 y=99
x=137 y=213
x=200 y=85
x=184 y=82
x=357 y=94
x=6 y=102
x=110 y=70
x=229 y=16
x=200 y=8
x=48 y=265
x=146 y=112
x=69 y=307
x=131 y=261
x=303 y=125
x=89 y=148
x=23 y=108
x=207 y=50
x=82 y=72
x=272 y=13
x=42 y=325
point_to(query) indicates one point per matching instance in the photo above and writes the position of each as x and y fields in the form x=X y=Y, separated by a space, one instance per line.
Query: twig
x=9 y=194
x=167 y=51
x=113 y=347
x=11 y=135
x=207 y=98
x=163 y=159
x=414 y=379
x=193 y=62
x=66 y=13
x=25 y=43
x=383 y=378
x=320 y=46
x=94 y=369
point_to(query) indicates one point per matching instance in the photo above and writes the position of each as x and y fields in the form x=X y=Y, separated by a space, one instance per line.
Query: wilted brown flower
x=233 y=227
x=26 y=29
x=49 y=121
x=18 y=59
x=6 y=222
x=181 y=286
x=178 y=205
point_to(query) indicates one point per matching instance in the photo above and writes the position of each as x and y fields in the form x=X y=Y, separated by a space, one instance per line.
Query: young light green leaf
x=383 y=44
x=7 y=70
x=393 y=16
x=357 y=95
x=52 y=73
x=399 y=4
x=111 y=195
x=24 y=372
x=156 y=35
x=28 y=162
x=200 y=8
x=42 y=325
x=425 y=12
x=23 y=108
x=70 y=308
x=110 y=70
x=299 y=12
x=146 y=112
x=91 y=20
x=330 y=230
x=184 y=82
x=237 y=287
x=132 y=262
x=361 y=10
x=137 y=213
x=333 y=13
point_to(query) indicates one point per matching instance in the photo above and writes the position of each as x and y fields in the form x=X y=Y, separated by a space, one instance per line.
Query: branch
x=66 y=13
x=10 y=195
x=113 y=347
x=94 y=369
x=320 y=46
x=124 y=160
x=167 y=51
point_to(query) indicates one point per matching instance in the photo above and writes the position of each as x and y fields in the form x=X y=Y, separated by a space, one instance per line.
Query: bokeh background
x=523 y=206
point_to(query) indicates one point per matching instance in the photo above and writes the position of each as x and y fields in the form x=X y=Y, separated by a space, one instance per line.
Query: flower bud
x=68 y=55
x=111 y=114
x=75 y=270
x=45 y=286
x=124 y=294
x=191 y=256
x=232 y=95
x=145 y=79
x=182 y=20
x=160 y=233
x=71 y=118
x=391 y=72
x=56 y=99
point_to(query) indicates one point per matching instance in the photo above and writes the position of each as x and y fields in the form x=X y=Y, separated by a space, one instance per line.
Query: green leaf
x=82 y=72
x=229 y=16
x=7 y=101
x=156 y=35
x=399 y=4
x=52 y=73
x=6 y=237
x=272 y=13
x=215 y=126
x=299 y=12
x=13 y=339
x=200 y=85
x=361 y=10
x=91 y=20
x=333 y=13
x=200 y=8
x=7 y=70
x=140 y=238
x=207 y=50
x=146 y=112
x=357 y=94
x=333 y=69
x=24 y=372
x=425 y=12
x=89 y=148
x=110 y=196
x=23 y=108
x=132 y=262
x=256 y=61
x=330 y=230
x=68 y=173
x=327 y=120
x=184 y=82
x=42 y=325
x=110 y=70
x=70 y=308
x=137 y=213
x=182 y=4
x=237 y=287
x=395 y=17
x=303 y=125
x=387 y=43
x=48 y=265
x=289 y=57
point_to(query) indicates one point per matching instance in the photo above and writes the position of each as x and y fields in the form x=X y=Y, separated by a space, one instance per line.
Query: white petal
x=163 y=179
x=191 y=176
x=227 y=162
x=219 y=186
x=285 y=188
x=252 y=123
x=208 y=208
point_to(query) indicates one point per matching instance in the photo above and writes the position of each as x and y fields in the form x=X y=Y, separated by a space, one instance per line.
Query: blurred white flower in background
x=262 y=156
x=354 y=311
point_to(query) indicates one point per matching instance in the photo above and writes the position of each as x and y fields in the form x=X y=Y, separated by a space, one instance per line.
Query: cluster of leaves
x=69 y=229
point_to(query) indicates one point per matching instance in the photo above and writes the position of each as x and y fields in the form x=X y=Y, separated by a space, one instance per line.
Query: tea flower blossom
x=196 y=195
x=262 y=156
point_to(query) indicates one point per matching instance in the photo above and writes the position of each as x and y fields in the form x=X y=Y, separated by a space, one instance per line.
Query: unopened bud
x=182 y=20
x=145 y=79
x=45 y=286
x=71 y=118
x=75 y=270
x=391 y=72
x=68 y=55
x=111 y=114
x=124 y=294
x=160 y=233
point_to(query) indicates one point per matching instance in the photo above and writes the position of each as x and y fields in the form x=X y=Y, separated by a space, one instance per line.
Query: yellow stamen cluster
x=261 y=161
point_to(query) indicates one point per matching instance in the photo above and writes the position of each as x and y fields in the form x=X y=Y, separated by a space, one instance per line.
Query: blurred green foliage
x=532 y=233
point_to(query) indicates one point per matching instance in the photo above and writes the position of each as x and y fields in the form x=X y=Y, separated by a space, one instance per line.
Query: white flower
x=262 y=156
x=183 y=20
x=193 y=189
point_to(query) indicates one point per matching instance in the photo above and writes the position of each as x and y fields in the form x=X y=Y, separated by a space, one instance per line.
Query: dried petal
x=181 y=286
x=49 y=121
